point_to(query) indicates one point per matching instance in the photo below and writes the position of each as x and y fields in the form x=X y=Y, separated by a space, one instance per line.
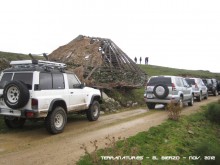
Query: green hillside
x=14 y=56
x=153 y=70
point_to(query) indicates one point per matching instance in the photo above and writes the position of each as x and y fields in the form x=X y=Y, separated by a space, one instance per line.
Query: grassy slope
x=153 y=70
x=14 y=56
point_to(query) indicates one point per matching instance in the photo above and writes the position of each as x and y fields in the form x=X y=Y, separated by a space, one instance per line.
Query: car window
x=73 y=81
x=204 y=81
x=209 y=81
x=190 y=81
x=5 y=79
x=160 y=80
x=58 y=81
x=179 y=82
x=51 y=81
x=26 y=78
x=185 y=83
x=45 y=81
x=200 y=82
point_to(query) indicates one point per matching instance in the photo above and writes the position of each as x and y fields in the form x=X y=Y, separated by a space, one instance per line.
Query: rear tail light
x=173 y=87
x=29 y=114
x=34 y=104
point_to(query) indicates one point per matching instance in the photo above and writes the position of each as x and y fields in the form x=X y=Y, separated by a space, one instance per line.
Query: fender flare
x=54 y=101
x=95 y=97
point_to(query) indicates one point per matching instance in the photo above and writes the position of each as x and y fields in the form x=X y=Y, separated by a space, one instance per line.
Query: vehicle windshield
x=190 y=81
x=160 y=80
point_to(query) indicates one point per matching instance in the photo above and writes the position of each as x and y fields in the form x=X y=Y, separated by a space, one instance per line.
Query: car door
x=186 y=89
x=76 y=94
x=203 y=87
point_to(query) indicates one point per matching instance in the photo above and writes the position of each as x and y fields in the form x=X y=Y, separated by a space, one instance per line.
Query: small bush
x=213 y=113
x=174 y=111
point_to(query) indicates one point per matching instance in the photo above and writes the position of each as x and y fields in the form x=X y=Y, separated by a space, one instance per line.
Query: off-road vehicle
x=200 y=91
x=36 y=89
x=168 y=89
x=218 y=86
x=212 y=85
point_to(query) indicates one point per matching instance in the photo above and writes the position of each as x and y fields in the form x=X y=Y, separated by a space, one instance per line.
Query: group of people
x=146 y=60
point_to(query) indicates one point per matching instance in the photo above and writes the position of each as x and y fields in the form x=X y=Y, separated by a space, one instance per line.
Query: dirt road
x=33 y=145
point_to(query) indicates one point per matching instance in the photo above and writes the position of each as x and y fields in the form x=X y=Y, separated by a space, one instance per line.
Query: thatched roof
x=99 y=62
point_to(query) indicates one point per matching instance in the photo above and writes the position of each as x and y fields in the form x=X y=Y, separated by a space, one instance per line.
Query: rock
x=105 y=96
x=165 y=140
x=191 y=132
x=129 y=103
x=102 y=112
x=134 y=104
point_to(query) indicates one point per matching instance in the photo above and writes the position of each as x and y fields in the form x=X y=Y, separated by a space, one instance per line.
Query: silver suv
x=200 y=91
x=167 y=89
x=43 y=90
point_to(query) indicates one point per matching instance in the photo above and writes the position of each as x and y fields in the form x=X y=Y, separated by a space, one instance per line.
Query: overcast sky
x=173 y=33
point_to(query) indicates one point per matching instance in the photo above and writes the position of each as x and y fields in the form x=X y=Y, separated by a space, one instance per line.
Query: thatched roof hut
x=99 y=62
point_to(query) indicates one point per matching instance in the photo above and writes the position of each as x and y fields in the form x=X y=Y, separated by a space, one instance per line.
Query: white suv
x=200 y=91
x=167 y=89
x=35 y=89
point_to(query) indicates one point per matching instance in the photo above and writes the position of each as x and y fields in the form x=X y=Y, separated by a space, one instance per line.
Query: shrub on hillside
x=213 y=112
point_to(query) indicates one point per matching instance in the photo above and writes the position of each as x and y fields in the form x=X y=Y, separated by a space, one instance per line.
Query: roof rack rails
x=47 y=65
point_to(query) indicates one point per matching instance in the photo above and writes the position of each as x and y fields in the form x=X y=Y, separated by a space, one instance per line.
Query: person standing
x=146 y=60
x=135 y=59
x=140 y=60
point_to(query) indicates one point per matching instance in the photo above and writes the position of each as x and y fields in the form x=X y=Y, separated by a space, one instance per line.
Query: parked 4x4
x=200 y=91
x=167 y=89
x=218 y=86
x=34 y=89
x=212 y=85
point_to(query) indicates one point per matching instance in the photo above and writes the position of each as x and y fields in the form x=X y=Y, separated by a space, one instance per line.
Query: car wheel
x=191 y=101
x=216 y=93
x=161 y=91
x=16 y=94
x=199 y=98
x=56 y=120
x=206 y=96
x=180 y=103
x=14 y=122
x=93 y=112
x=151 y=105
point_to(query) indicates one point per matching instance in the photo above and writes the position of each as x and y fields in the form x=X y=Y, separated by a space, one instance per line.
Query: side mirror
x=78 y=86
x=82 y=85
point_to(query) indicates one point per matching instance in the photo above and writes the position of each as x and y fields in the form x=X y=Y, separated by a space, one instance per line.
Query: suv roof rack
x=47 y=65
